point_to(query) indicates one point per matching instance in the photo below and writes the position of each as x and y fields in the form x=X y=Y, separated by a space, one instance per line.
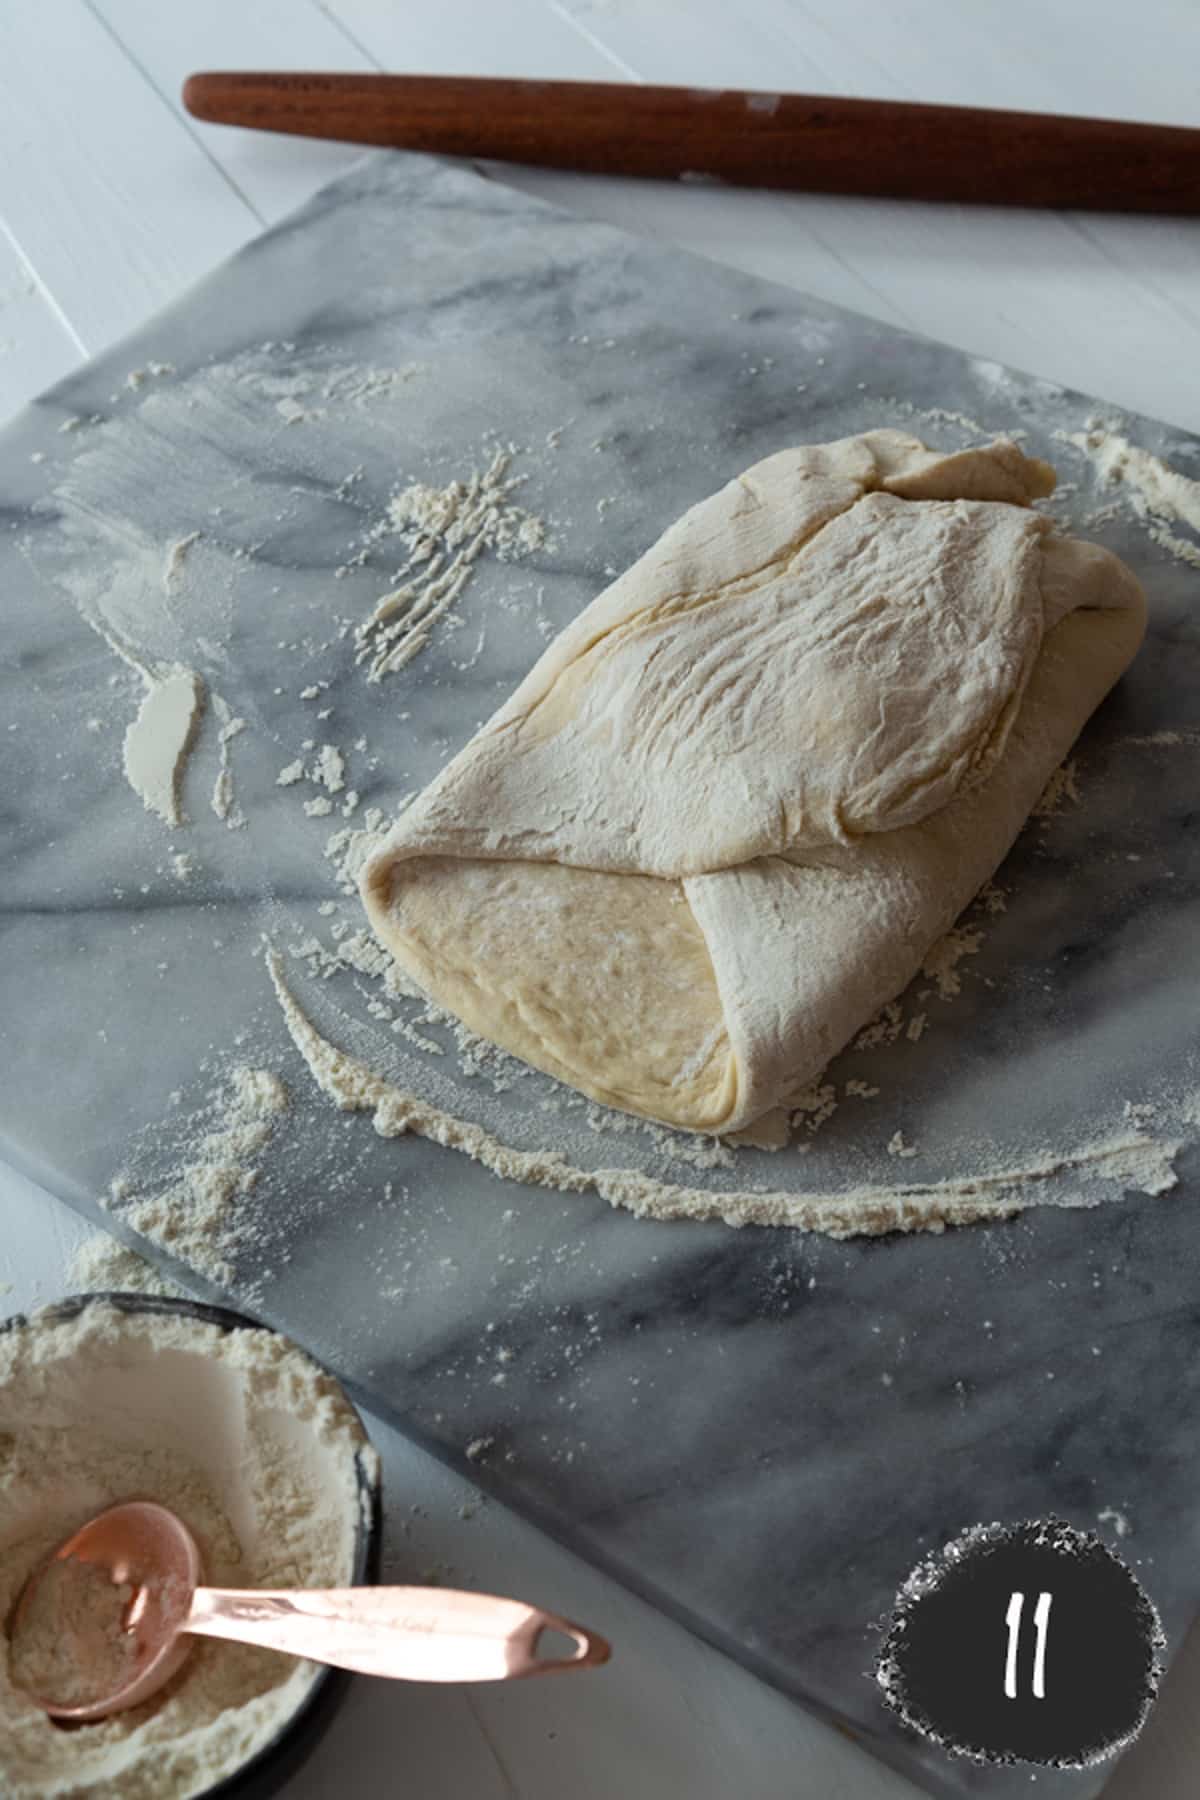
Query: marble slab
x=761 y=1430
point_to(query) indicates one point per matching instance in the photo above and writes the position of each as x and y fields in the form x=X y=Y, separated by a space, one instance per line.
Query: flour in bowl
x=250 y=1443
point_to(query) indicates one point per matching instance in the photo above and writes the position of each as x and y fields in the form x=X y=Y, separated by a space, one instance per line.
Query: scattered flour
x=944 y=415
x=349 y=849
x=1131 y=1160
x=1062 y=787
x=223 y=799
x=292 y=413
x=326 y=771
x=354 y=384
x=885 y=1028
x=329 y=769
x=941 y=965
x=815 y=1105
x=1165 y=740
x=194 y=1211
x=1157 y=493
x=446 y=531
x=103 y=1265
x=138 y=378
x=175 y=559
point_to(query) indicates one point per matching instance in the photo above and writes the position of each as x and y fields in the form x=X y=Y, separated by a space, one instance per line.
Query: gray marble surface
x=760 y=1430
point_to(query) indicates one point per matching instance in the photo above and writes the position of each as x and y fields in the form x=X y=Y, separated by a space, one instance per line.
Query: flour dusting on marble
x=941 y=965
x=159 y=738
x=176 y=557
x=445 y=532
x=1157 y=493
x=101 y=1264
x=195 y=1208
x=130 y=588
x=1127 y=1160
x=224 y=802
x=157 y=742
x=1062 y=789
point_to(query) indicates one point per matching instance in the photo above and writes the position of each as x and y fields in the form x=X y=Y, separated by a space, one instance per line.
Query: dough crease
x=731 y=807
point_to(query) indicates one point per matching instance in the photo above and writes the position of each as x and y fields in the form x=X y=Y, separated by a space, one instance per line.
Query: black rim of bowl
x=299 y=1733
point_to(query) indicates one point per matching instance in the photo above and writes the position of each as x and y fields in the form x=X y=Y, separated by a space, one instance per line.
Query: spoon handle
x=408 y=1633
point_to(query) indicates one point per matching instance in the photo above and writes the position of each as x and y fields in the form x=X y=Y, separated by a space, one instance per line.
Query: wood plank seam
x=349 y=34
x=179 y=117
x=594 y=41
x=42 y=289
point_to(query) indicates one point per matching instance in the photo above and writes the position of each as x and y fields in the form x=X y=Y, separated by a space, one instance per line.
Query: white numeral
x=1041 y=1623
x=1041 y=1620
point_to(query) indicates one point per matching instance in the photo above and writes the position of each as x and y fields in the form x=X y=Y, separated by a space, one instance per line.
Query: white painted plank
x=1071 y=57
x=806 y=39
x=168 y=43
x=691 y=43
x=1161 y=258
x=36 y=348
x=1078 y=299
x=38 y=1236
x=474 y=37
x=110 y=199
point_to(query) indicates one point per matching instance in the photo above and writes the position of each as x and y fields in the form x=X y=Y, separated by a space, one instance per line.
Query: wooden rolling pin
x=819 y=145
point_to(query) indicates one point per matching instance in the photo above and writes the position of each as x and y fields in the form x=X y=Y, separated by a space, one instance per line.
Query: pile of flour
x=102 y=1265
x=195 y=1209
x=250 y=1443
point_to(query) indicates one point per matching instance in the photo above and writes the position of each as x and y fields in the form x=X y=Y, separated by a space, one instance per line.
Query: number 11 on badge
x=1041 y=1623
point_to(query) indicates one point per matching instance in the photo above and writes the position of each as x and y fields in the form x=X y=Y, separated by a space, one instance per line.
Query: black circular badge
x=1024 y=1643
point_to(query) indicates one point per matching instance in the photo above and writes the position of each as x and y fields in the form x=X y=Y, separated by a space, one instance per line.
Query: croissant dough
x=729 y=810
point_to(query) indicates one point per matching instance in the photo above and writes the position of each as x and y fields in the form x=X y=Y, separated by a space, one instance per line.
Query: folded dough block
x=728 y=812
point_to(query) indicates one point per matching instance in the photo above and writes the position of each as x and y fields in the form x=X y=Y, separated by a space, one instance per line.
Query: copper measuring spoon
x=407 y=1633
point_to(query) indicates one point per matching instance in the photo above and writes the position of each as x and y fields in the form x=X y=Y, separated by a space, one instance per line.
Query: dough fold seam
x=706 y=839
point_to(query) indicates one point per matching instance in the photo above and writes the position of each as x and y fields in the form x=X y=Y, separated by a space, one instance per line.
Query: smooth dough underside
x=603 y=980
x=727 y=813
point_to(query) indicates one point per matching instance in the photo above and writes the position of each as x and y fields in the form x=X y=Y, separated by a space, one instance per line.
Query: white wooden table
x=111 y=201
